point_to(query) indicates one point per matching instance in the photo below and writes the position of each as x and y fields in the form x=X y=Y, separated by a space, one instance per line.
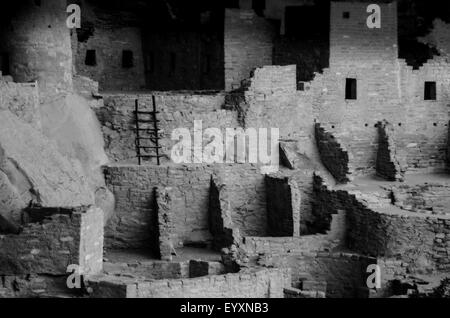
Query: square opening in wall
x=4 y=63
x=430 y=91
x=91 y=58
x=127 y=59
x=346 y=15
x=350 y=88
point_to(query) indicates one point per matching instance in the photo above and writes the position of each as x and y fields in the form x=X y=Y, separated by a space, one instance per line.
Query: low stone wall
x=49 y=246
x=135 y=223
x=388 y=165
x=334 y=157
x=389 y=232
x=35 y=286
x=221 y=225
x=342 y=275
x=253 y=247
x=396 y=236
x=262 y=283
x=163 y=269
x=430 y=198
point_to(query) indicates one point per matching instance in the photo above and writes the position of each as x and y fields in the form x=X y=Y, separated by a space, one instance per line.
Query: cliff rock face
x=32 y=170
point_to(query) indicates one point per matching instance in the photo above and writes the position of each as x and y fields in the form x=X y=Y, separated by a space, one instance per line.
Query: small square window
x=91 y=58
x=127 y=59
x=346 y=15
x=300 y=86
x=430 y=91
x=350 y=88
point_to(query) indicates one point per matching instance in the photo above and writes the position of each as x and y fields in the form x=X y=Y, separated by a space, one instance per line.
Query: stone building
x=93 y=202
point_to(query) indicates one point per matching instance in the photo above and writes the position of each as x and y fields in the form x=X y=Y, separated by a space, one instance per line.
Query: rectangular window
x=4 y=64
x=350 y=88
x=346 y=15
x=127 y=59
x=430 y=91
x=91 y=58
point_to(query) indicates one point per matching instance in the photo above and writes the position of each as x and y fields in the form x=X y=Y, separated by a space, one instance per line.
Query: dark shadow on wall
x=415 y=19
x=306 y=40
x=184 y=46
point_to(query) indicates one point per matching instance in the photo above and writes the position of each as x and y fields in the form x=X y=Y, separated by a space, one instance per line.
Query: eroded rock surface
x=32 y=170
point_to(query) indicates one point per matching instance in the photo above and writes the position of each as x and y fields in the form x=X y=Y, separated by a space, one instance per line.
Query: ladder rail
x=151 y=133
x=156 y=129
x=138 y=141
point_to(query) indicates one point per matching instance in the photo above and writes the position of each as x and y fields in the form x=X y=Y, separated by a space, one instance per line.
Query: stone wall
x=38 y=43
x=135 y=222
x=333 y=155
x=263 y=283
x=389 y=232
x=283 y=207
x=57 y=241
x=224 y=232
x=244 y=29
x=35 y=286
x=395 y=236
x=109 y=44
x=247 y=198
x=155 y=270
x=388 y=166
x=166 y=226
x=339 y=275
x=269 y=99
x=177 y=110
x=431 y=198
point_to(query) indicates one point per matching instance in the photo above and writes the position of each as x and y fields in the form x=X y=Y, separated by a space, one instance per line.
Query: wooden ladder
x=147 y=133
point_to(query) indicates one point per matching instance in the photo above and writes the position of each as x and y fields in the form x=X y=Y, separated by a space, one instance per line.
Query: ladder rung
x=150 y=147
x=146 y=113
x=148 y=121
x=150 y=129
x=148 y=156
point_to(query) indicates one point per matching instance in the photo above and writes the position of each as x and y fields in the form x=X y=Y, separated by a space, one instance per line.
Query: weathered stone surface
x=388 y=165
x=58 y=241
x=334 y=156
x=22 y=99
x=260 y=283
x=166 y=224
x=32 y=169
